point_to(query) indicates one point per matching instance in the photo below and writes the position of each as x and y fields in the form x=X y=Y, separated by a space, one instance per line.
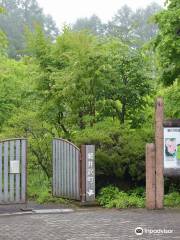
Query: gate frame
x=26 y=168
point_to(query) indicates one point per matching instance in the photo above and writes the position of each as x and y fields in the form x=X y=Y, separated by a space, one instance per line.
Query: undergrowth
x=112 y=197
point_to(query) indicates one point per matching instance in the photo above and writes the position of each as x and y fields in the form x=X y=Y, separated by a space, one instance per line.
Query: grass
x=39 y=189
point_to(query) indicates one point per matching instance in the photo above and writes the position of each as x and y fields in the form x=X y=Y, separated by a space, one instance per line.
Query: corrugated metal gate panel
x=66 y=167
x=13 y=171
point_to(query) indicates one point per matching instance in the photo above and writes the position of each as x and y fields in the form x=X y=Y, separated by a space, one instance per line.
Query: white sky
x=67 y=11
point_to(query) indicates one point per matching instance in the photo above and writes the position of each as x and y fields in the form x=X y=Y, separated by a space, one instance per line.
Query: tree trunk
x=123 y=111
x=81 y=122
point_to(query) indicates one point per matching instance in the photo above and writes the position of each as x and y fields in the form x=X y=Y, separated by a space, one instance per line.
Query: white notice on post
x=171 y=147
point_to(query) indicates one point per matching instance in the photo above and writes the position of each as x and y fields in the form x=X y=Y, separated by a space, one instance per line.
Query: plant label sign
x=171 y=147
x=90 y=173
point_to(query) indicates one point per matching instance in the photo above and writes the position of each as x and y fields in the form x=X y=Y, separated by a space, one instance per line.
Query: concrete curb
x=38 y=211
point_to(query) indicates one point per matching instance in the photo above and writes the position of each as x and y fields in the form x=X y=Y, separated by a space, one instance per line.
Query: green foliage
x=172 y=199
x=107 y=194
x=138 y=191
x=131 y=27
x=20 y=15
x=129 y=84
x=3 y=43
x=111 y=197
x=1 y=9
x=120 y=150
x=39 y=189
x=92 y=24
x=13 y=80
x=134 y=27
x=172 y=100
x=3 y=38
x=86 y=89
x=84 y=79
x=167 y=43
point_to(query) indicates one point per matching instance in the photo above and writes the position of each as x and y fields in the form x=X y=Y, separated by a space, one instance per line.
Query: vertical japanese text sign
x=90 y=172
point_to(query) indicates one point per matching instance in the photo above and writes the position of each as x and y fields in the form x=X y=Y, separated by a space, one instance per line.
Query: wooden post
x=150 y=176
x=159 y=144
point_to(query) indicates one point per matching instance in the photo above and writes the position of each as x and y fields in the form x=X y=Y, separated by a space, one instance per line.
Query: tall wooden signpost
x=159 y=153
x=155 y=162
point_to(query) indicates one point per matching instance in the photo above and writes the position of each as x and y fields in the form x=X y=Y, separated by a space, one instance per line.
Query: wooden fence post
x=159 y=144
x=150 y=176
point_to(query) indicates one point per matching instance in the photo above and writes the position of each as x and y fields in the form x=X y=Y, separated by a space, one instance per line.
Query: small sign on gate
x=14 y=166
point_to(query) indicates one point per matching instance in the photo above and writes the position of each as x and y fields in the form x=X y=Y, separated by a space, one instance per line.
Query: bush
x=172 y=199
x=120 y=152
x=111 y=197
x=138 y=191
x=107 y=194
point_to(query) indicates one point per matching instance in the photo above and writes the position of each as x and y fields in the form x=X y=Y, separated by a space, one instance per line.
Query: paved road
x=95 y=224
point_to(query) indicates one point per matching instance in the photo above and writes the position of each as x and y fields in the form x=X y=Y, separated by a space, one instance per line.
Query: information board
x=171 y=147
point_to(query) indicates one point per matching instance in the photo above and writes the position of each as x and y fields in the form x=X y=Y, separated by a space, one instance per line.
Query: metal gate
x=66 y=169
x=13 y=171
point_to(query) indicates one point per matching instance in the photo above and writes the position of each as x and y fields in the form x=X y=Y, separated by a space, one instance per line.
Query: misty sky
x=67 y=11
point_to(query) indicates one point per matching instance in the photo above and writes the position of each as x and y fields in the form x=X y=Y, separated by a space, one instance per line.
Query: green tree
x=12 y=81
x=3 y=38
x=129 y=85
x=92 y=24
x=167 y=43
x=172 y=100
x=19 y=15
x=134 y=27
